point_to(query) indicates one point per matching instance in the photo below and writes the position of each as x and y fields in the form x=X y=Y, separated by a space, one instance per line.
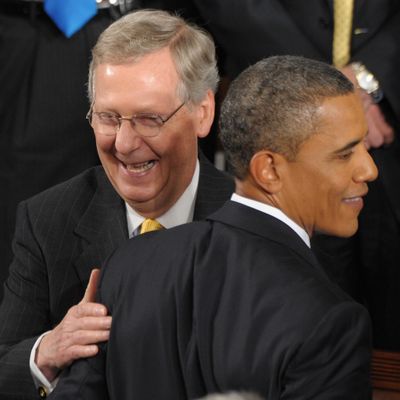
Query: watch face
x=367 y=81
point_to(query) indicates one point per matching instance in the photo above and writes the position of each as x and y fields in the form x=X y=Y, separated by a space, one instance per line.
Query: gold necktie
x=149 y=225
x=343 y=20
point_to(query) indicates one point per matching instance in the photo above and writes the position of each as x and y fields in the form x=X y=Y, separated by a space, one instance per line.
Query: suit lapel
x=102 y=227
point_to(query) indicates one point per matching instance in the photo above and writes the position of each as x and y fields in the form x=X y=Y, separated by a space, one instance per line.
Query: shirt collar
x=180 y=213
x=274 y=212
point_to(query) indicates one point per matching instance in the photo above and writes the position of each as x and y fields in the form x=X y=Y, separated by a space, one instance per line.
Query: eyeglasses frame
x=131 y=119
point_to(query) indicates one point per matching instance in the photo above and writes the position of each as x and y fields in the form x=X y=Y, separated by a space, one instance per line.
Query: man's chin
x=346 y=231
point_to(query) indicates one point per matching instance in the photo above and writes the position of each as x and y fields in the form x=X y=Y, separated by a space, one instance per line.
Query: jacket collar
x=215 y=187
x=102 y=226
x=261 y=224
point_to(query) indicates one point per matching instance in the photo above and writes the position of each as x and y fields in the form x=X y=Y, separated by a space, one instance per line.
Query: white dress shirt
x=274 y=212
x=180 y=213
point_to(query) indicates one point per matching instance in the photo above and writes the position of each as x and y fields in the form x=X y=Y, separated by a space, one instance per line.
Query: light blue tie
x=70 y=15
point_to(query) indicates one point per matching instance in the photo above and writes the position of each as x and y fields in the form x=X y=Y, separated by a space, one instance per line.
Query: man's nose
x=127 y=139
x=368 y=172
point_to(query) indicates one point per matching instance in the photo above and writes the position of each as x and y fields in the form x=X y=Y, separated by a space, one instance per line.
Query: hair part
x=273 y=105
x=147 y=31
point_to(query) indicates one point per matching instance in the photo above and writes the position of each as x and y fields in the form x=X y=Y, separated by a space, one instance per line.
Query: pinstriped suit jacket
x=61 y=235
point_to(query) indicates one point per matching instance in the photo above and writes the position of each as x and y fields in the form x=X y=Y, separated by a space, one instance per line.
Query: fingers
x=70 y=345
x=60 y=348
x=381 y=124
x=379 y=131
x=81 y=338
x=91 y=322
x=77 y=352
x=375 y=137
x=76 y=336
x=90 y=293
x=88 y=310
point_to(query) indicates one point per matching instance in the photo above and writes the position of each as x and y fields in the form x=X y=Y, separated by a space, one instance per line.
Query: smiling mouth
x=352 y=199
x=355 y=200
x=140 y=167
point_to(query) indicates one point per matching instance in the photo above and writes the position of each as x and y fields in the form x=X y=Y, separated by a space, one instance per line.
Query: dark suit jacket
x=366 y=266
x=237 y=302
x=61 y=235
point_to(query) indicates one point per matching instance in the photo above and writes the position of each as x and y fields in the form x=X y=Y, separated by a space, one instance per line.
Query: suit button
x=42 y=392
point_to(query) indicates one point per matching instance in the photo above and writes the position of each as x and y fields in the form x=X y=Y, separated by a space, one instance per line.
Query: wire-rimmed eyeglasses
x=145 y=124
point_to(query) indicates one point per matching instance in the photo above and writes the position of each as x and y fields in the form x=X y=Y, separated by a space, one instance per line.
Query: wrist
x=44 y=364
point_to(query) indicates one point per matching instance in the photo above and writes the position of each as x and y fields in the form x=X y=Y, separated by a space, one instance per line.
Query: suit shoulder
x=68 y=201
x=169 y=252
x=74 y=193
x=166 y=244
x=86 y=181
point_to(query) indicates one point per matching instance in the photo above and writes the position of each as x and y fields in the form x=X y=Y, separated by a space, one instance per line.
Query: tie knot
x=149 y=225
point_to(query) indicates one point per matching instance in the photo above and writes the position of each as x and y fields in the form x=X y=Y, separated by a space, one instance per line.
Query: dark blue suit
x=366 y=266
x=237 y=302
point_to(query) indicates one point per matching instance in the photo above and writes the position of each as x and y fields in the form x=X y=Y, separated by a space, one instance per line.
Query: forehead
x=150 y=77
x=340 y=121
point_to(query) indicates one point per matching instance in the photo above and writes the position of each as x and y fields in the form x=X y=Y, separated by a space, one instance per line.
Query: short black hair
x=272 y=105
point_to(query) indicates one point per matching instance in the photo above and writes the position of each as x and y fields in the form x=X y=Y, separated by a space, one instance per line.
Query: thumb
x=91 y=288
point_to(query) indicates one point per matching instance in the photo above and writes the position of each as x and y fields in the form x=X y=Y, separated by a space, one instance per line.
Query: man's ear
x=266 y=168
x=205 y=116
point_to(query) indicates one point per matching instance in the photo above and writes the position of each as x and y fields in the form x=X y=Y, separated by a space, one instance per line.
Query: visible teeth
x=350 y=199
x=140 y=167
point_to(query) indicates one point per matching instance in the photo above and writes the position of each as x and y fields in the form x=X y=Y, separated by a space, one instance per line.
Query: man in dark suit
x=366 y=266
x=239 y=302
x=152 y=82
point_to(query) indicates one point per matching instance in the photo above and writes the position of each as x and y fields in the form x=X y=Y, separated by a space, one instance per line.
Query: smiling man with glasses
x=152 y=81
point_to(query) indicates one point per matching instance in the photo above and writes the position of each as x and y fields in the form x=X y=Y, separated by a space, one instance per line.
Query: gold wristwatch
x=367 y=81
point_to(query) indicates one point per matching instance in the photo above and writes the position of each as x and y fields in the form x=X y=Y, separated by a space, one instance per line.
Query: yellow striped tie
x=343 y=20
x=149 y=225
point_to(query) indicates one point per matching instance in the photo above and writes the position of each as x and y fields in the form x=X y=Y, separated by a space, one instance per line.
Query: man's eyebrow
x=348 y=146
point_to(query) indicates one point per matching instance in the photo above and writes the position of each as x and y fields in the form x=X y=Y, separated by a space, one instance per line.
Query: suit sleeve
x=23 y=312
x=333 y=363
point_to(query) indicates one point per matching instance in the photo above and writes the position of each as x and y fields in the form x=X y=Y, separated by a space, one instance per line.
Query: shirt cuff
x=40 y=381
